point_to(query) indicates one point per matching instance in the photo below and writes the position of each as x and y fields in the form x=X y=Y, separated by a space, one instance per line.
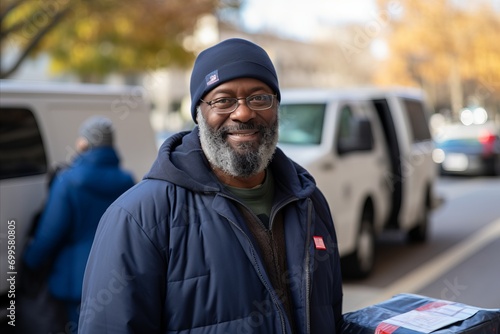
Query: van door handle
x=327 y=166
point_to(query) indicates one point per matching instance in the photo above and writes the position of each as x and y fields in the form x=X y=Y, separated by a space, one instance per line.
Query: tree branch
x=34 y=42
x=12 y=29
x=10 y=8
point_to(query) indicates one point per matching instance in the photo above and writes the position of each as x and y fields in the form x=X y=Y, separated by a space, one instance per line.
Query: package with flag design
x=411 y=314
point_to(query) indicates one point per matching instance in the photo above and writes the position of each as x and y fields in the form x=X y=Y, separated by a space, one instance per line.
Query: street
x=460 y=261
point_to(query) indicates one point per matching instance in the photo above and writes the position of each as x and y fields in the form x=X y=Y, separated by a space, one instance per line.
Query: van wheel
x=418 y=234
x=360 y=263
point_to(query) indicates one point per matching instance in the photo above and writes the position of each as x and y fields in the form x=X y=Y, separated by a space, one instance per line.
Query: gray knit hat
x=98 y=131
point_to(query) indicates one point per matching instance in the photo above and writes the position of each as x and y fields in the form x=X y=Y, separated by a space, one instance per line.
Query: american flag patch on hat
x=212 y=77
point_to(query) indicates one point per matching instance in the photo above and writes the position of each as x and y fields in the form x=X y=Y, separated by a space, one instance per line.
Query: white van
x=369 y=151
x=39 y=125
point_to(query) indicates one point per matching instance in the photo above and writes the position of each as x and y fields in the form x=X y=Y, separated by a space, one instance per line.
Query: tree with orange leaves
x=445 y=45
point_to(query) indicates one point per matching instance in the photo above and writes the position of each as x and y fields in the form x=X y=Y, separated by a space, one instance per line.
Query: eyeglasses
x=226 y=105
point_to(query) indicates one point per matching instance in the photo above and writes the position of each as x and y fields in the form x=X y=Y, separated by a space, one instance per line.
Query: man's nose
x=243 y=113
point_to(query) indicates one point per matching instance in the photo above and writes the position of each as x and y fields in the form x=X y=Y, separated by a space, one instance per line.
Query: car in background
x=370 y=152
x=468 y=149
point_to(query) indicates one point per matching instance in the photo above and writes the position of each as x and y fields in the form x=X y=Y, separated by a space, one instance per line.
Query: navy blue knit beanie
x=230 y=59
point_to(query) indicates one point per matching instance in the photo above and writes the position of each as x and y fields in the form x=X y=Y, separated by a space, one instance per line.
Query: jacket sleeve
x=54 y=224
x=124 y=283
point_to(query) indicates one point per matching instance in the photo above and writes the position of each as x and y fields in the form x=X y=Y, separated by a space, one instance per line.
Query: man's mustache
x=224 y=131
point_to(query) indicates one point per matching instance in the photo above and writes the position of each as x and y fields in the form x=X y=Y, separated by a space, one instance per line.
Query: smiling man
x=225 y=234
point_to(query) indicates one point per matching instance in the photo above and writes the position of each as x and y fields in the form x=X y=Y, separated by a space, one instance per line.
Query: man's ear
x=82 y=144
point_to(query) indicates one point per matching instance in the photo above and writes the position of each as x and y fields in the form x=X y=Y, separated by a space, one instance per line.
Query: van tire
x=360 y=263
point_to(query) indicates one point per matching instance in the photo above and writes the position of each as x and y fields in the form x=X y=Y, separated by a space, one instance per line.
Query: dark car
x=468 y=149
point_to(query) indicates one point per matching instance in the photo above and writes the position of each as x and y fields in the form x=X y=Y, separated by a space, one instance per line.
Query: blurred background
x=448 y=48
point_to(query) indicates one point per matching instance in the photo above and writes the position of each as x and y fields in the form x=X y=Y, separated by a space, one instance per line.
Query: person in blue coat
x=78 y=197
x=225 y=234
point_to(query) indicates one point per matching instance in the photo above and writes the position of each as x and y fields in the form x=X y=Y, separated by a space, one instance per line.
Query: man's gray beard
x=244 y=162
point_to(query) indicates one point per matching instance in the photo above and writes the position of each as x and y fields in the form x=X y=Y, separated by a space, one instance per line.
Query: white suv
x=370 y=153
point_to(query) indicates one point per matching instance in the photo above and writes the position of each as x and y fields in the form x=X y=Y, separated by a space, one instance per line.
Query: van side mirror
x=360 y=137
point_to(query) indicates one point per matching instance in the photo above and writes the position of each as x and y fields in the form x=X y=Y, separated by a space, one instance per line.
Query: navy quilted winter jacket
x=174 y=255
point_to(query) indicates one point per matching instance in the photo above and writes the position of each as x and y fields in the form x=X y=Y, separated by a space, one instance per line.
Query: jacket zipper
x=274 y=211
x=307 y=267
x=276 y=302
x=307 y=254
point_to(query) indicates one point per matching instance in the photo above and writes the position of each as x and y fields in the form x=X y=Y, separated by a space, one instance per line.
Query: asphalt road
x=461 y=260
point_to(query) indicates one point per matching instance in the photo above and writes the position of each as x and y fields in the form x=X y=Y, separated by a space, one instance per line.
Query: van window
x=21 y=148
x=418 y=121
x=301 y=124
x=345 y=121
